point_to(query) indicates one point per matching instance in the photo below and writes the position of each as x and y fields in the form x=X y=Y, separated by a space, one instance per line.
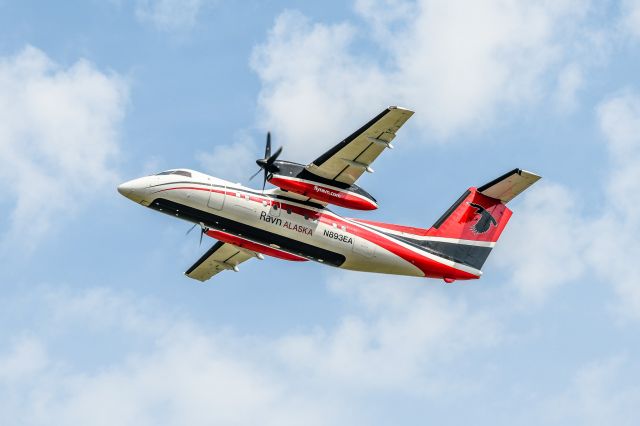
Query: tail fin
x=469 y=229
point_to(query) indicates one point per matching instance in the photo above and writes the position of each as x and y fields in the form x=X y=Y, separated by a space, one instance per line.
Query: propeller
x=267 y=163
x=203 y=229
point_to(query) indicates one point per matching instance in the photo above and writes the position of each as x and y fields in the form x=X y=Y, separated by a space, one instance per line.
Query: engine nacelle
x=352 y=197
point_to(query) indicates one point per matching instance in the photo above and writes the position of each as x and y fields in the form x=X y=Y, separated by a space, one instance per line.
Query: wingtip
x=530 y=174
x=509 y=185
x=401 y=108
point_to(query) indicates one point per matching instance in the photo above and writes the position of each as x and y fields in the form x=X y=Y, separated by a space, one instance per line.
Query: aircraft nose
x=125 y=188
x=133 y=189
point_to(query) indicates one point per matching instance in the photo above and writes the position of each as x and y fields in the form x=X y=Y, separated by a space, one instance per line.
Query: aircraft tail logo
x=483 y=224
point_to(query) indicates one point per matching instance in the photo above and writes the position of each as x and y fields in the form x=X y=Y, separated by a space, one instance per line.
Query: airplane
x=292 y=222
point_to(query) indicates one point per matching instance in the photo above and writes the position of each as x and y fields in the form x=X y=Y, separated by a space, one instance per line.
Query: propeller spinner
x=266 y=164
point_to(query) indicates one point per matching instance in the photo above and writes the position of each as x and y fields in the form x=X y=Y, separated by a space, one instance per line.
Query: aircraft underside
x=301 y=230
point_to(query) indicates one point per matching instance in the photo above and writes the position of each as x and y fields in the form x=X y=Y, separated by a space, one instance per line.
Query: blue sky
x=101 y=327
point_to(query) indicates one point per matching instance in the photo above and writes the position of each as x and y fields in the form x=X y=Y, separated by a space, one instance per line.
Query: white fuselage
x=294 y=226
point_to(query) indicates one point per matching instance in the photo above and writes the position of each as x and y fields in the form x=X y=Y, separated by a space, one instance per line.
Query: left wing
x=218 y=258
x=346 y=161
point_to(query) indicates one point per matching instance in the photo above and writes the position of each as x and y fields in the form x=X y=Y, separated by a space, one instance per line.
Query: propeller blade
x=264 y=181
x=256 y=173
x=266 y=163
x=191 y=229
x=267 y=148
x=201 y=234
x=274 y=157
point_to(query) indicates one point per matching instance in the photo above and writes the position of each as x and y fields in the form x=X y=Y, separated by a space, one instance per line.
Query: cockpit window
x=175 y=172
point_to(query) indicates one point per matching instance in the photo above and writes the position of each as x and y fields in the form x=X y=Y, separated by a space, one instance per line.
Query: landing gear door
x=217 y=195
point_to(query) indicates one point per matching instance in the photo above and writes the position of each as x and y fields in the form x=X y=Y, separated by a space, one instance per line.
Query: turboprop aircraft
x=292 y=222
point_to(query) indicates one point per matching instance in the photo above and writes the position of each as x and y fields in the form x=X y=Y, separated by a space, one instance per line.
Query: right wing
x=218 y=258
x=346 y=161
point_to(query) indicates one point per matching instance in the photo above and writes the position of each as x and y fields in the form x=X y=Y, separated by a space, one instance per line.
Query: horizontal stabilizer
x=508 y=186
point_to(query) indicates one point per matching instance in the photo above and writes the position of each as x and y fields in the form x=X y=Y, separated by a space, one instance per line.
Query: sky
x=99 y=325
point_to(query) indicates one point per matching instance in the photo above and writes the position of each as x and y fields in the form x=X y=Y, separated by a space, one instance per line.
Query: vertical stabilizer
x=469 y=229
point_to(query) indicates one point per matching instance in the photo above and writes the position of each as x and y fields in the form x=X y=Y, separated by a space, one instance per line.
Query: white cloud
x=235 y=161
x=631 y=17
x=407 y=335
x=601 y=393
x=545 y=243
x=58 y=136
x=614 y=251
x=170 y=15
x=620 y=122
x=384 y=25
x=309 y=79
x=190 y=378
x=167 y=369
x=27 y=357
x=553 y=241
x=570 y=81
x=455 y=64
x=101 y=309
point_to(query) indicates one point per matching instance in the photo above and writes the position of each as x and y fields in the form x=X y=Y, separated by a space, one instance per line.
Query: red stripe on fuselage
x=399 y=228
x=431 y=268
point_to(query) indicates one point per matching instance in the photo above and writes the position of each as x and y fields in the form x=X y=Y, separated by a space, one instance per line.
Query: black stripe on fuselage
x=474 y=256
x=248 y=232
x=467 y=254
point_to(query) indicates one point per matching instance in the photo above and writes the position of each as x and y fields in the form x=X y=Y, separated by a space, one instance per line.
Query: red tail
x=469 y=229
x=473 y=217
